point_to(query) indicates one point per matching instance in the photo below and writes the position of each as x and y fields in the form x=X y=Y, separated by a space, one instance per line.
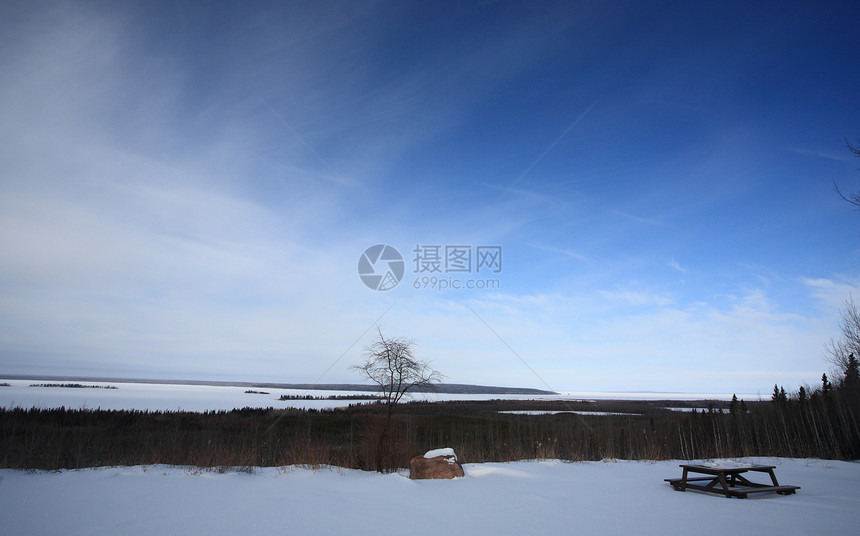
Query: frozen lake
x=173 y=397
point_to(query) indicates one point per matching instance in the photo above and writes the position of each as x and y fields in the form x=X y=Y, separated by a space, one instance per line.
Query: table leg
x=743 y=480
x=725 y=485
x=684 y=480
x=773 y=477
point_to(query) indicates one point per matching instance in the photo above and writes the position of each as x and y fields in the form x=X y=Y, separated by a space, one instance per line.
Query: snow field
x=546 y=497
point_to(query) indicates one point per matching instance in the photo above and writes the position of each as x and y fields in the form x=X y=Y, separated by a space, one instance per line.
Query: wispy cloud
x=832 y=293
x=844 y=156
x=143 y=256
x=587 y=338
x=673 y=264
x=634 y=297
x=637 y=219
x=561 y=251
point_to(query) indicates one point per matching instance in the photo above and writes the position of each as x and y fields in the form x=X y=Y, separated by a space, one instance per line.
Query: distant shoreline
x=447 y=388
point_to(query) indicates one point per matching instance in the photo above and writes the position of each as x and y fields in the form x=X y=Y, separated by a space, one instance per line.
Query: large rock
x=439 y=463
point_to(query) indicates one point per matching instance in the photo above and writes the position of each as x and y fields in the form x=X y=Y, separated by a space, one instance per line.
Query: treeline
x=825 y=418
x=823 y=426
x=73 y=385
x=64 y=438
x=820 y=422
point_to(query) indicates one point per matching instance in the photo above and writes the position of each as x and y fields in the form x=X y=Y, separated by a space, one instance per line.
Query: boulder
x=439 y=463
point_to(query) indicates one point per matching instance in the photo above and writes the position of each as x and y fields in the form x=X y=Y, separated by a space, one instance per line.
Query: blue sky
x=186 y=189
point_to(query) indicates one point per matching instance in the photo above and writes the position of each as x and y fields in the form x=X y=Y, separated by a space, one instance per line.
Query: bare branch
x=853 y=149
x=853 y=197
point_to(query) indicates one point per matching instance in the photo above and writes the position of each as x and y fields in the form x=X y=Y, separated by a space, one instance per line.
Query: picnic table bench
x=728 y=480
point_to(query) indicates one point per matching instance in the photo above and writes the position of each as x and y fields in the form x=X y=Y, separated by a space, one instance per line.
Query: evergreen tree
x=851 y=383
x=780 y=397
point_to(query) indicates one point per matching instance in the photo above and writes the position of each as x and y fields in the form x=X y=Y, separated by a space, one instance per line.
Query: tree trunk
x=380 y=447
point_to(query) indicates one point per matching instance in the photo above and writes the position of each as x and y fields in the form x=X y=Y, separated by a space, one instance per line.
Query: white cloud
x=832 y=293
x=635 y=297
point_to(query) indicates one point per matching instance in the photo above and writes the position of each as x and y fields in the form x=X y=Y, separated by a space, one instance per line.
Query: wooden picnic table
x=728 y=480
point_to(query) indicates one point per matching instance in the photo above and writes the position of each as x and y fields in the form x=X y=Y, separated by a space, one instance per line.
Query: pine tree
x=780 y=397
x=851 y=383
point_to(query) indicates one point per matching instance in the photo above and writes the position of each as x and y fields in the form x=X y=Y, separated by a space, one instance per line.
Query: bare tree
x=390 y=364
x=839 y=350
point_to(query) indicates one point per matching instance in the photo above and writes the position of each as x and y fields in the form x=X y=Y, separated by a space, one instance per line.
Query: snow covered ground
x=172 y=397
x=548 y=497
